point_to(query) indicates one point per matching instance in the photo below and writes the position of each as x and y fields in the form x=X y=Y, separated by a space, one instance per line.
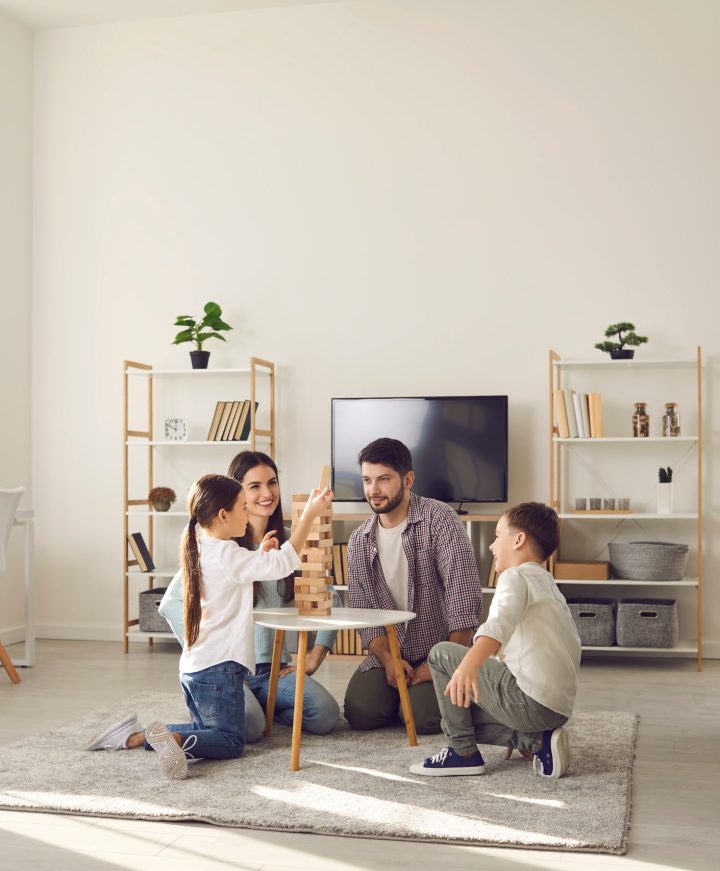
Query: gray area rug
x=351 y=783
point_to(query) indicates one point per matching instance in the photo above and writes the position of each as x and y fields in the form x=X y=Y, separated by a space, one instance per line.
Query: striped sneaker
x=115 y=736
x=172 y=759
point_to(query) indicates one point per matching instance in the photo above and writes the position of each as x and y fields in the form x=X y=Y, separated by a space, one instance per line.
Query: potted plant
x=200 y=331
x=617 y=349
x=161 y=498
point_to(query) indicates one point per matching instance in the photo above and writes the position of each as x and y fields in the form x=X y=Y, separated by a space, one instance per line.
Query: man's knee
x=368 y=702
x=446 y=654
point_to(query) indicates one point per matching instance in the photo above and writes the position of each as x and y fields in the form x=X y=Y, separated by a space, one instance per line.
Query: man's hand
x=390 y=673
x=422 y=674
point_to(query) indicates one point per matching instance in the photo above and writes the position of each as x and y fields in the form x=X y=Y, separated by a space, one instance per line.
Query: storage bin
x=648 y=560
x=150 y=620
x=647 y=623
x=595 y=620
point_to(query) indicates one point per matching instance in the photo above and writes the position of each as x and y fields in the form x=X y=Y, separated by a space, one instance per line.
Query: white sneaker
x=115 y=736
x=172 y=759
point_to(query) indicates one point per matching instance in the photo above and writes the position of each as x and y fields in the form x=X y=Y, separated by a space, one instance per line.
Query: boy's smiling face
x=506 y=545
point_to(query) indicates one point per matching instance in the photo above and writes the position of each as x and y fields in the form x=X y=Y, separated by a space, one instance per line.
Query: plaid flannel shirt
x=444 y=588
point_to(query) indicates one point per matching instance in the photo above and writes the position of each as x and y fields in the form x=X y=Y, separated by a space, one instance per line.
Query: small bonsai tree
x=626 y=335
x=161 y=498
x=200 y=331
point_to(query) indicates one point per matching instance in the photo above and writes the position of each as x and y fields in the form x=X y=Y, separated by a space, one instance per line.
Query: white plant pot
x=665 y=498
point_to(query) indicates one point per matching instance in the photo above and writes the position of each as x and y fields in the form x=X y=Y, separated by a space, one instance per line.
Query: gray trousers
x=505 y=715
x=371 y=704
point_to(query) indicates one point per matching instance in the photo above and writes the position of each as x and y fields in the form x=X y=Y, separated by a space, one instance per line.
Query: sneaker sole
x=171 y=758
x=560 y=749
x=446 y=772
x=99 y=741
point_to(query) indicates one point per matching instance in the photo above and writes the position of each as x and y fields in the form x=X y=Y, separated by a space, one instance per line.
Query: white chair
x=9 y=500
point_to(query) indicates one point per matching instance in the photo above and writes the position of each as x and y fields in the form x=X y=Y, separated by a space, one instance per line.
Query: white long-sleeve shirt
x=226 y=626
x=539 y=642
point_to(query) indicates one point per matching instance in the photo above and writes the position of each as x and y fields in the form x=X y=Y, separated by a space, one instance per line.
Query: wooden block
x=312 y=597
x=313 y=567
x=314 y=576
x=325 y=474
x=302 y=588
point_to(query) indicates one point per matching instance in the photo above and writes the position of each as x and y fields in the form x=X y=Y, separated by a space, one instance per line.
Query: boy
x=516 y=685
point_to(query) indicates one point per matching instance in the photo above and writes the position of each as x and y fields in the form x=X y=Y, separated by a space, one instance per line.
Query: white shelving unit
x=140 y=443
x=617 y=377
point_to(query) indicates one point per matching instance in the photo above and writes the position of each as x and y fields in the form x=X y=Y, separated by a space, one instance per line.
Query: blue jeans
x=320 y=710
x=216 y=702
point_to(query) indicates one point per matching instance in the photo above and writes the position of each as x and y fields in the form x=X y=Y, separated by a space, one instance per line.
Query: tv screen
x=459 y=444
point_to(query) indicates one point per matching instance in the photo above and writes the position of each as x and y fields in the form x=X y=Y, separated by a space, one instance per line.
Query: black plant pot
x=199 y=359
x=622 y=354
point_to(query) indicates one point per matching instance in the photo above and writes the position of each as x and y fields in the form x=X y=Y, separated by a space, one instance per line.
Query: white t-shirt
x=540 y=644
x=226 y=625
x=394 y=562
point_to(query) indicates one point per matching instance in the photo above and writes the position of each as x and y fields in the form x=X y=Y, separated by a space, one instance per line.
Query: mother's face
x=260 y=486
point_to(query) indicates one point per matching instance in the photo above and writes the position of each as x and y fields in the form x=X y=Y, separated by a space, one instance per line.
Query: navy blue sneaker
x=553 y=758
x=448 y=762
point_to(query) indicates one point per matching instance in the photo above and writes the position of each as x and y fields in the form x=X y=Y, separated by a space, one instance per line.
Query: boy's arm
x=462 y=687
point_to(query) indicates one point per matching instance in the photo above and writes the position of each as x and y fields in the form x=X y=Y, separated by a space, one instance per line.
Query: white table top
x=340 y=618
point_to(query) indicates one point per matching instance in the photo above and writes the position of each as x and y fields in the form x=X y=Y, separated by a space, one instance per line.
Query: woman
x=257 y=473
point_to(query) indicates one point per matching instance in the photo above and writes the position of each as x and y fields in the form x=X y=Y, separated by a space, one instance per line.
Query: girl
x=258 y=475
x=218 y=652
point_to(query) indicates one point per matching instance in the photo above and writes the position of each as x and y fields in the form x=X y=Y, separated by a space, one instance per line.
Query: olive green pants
x=505 y=716
x=370 y=703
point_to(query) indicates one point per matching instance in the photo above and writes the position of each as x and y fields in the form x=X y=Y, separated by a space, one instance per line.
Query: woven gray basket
x=648 y=560
x=150 y=619
x=595 y=620
x=647 y=623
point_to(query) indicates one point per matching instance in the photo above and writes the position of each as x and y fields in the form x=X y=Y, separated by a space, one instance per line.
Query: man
x=414 y=555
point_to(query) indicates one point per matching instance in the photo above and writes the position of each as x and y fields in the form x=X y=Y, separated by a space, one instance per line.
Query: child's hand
x=269 y=542
x=463 y=687
x=318 y=502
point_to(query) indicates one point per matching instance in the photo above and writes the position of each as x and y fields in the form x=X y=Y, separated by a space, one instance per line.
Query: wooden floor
x=676 y=792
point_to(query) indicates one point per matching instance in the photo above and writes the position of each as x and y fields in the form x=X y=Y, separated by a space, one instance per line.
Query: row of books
x=231 y=421
x=340 y=563
x=492 y=576
x=578 y=415
x=347 y=641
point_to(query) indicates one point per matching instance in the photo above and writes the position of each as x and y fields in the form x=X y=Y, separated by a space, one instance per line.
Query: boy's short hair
x=387 y=452
x=539 y=522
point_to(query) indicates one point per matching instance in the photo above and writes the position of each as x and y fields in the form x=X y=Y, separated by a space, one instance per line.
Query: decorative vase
x=640 y=421
x=162 y=505
x=622 y=354
x=664 y=498
x=199 y=359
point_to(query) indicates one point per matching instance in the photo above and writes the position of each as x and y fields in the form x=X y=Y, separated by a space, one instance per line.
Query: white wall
x=15 y=261
x=387 y=197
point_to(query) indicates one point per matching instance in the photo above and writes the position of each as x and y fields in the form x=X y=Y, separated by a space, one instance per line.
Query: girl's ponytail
x=207 y=497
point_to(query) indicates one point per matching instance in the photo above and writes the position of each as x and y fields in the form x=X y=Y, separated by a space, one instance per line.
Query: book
x=570 y=412
x=560 y=415
x=240 y=422
x=492 y=575
x=337 y=565
x=140 y=551
x=223 y=421
x=578 y=415
x=596 y=399
x=212 y=432
x=343 y=553
x=248 y=422
x=229 y=430
x=585 y=410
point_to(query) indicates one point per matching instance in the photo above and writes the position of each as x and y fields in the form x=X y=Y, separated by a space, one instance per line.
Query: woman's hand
x=269 y=542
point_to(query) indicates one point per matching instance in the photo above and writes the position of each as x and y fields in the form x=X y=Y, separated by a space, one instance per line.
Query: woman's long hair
x=243 y=463
x=208 y=495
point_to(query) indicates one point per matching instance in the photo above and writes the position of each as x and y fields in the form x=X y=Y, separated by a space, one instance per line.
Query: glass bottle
x=671 y=420
x=640 y=421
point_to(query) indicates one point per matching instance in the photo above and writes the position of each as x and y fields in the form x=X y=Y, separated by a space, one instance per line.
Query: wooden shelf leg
x=9 y=667
x=402 y=686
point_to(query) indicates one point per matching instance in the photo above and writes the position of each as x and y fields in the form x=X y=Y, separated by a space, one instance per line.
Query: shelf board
x=617 y=515
x=194 y=373
x=624 y=440
x=657 y=363
x=158 y=573
x=144 y=513
x=135 y=634
x=233 y=444
x=680 y=647
x=616 y=582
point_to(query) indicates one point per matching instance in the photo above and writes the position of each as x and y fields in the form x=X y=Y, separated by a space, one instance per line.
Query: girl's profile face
x=261 y=489
x=237 y=517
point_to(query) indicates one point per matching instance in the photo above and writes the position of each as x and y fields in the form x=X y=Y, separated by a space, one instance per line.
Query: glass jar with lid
x=641 y=421
x=671 y=420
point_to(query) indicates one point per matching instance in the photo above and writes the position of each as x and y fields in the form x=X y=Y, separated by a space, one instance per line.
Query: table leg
x=274 y=674
x=299 y=691
x=402 y=685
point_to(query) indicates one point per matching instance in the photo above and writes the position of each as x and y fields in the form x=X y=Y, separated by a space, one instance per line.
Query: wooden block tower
x=312 y=596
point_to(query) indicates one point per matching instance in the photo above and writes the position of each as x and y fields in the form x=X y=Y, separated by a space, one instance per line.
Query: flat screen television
x=459 y=444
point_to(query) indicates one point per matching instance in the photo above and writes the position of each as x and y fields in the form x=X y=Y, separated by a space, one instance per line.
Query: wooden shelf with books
x=244 y=419
x=587 y=526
